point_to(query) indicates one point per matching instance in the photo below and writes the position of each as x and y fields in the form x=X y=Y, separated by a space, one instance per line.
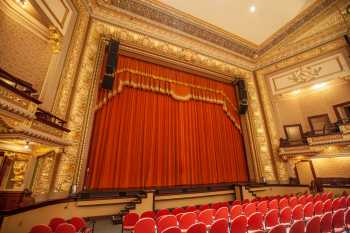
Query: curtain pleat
x=144 y=137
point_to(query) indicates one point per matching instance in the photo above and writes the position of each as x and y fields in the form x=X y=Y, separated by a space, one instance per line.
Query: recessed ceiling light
x=252 y=8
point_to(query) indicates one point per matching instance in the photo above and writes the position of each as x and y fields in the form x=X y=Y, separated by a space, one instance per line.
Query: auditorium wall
x=22 y=53
x=332 y=167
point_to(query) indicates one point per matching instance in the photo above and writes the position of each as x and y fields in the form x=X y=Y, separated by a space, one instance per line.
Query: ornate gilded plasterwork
x=43 y=173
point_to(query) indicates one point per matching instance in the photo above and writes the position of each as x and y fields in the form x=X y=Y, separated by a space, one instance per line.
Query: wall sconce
x=54 y=39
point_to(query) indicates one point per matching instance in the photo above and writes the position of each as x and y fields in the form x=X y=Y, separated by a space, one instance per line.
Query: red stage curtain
x=164 y=127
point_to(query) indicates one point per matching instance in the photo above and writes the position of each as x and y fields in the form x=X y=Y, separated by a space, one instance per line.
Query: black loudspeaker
x=112 y=61
x=242 y=97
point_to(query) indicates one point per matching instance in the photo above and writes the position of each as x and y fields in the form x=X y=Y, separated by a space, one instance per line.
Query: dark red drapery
x=163 y=127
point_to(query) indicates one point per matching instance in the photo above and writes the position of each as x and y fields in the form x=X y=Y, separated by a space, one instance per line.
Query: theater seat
x=145 y=225
x=41 y=228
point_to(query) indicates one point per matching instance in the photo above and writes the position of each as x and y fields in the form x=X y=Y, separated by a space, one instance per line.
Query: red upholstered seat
x=148 y=214
x=178 y=216
x=255 y=221
x=161 y=213
x=278 y=229
x=336 y=204
x=54 y=222
x=203 y=207
x=286 y=216
x=271 y=219
x=293 y=201
x=317 y=198
x=309 y=198
x=41 y=228
x=330 y=195
x=302 y=200
x=236 y=202
x=318 y=208
x=250 y=209
x=308 y=211
x=338 y=221
x=283 y=203
x=313 y=225
x=298 y=213
x=166 y=221
x=297 y=227
x=197 y=228
x=171 y=230
x=342 y=203
x=348 y=201
x=186 y=220
x=235 y=211
x=324 y=197
x=347 y=218
x=219 y=226
x=78 y=222
x=129 y=221
x=273 y=204
x=65 y=228
x=326 y=223
x=206 y=216
x=145 y=225
x=262 y=207
x=239 y=224
x=327 y=206
x=221 y=213
x=177 y=210
x=191 y=209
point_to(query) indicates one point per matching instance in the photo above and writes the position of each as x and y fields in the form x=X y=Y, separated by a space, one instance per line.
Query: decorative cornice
x=172 y=18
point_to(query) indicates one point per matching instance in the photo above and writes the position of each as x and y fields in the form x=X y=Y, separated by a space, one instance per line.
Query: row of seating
x=268 y=214
x=59 y=225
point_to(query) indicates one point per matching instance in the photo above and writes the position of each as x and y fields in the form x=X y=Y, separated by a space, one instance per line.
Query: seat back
x=236 y=210
x=286 y=215
x=348 y=201
x=221 y=213
x=317 y=197
x=324 y=197
x=293 y=201
x=236 y=202
x=178 y=216
x=166 y=221
x=197 y=228
x=148 y=214
x=297 y=212
x=302 y=200
x=262 y=207
x=271 y=218
x=65 y=228
x=338 y=219
x=347 y=217
x=161 y=213
x=342 y=203
x=309 y=198
x=297 y=227
x=327 y=206
x=326 y=223
x=255 y=221
x=309 y=210
x=336 y=204
x=177 y=210
x=78 y=222
x=187 y=219
x=278 y=229
x=249 y=209
x=206 y=216
x=41 y=228
x=273 y=204
x=54 y=222
x=130 y=219
x=145 y=225
x=283 y=203
x=171 y=230
x=239 y=224
x=203 y=207
x=219 y=226
x=313 y=225
x=330 y=195
x=318 y=208
x=191 y=209
x=216 y=205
